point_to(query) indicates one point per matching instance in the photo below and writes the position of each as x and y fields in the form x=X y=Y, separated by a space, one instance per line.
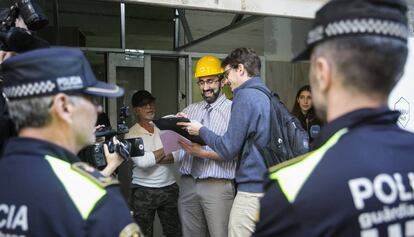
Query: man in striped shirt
x=206 y=189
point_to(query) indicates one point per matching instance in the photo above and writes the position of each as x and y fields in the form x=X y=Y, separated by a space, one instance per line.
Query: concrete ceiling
x=151 y=26
x=283 y=8
x=148 y=27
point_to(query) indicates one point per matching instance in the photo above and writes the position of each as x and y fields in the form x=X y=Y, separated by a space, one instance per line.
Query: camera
x=126 y=148
x=17 y=39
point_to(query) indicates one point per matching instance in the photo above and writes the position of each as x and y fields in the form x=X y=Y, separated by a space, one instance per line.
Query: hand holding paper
x=193 y=149
x=181 y=115
x=170 y=141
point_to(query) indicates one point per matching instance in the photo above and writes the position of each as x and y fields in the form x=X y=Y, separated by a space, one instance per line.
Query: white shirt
x=145 y=171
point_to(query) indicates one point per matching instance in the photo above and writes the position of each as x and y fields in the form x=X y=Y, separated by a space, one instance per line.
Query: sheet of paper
x=170 y=140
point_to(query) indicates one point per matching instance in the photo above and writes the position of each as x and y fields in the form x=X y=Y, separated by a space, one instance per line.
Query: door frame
x=114 y=60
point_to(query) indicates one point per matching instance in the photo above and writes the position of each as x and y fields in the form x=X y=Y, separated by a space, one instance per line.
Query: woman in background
x=303 y=110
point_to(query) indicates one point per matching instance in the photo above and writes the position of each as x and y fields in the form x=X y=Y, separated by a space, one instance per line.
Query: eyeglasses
x=207 y=82
x=224 y=75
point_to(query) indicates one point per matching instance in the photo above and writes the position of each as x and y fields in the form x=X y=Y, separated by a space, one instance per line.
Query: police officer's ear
x=61 y=107
x=322 y=73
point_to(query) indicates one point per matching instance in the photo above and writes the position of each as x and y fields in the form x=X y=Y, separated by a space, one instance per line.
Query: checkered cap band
x=30 y=89
x=358 y=26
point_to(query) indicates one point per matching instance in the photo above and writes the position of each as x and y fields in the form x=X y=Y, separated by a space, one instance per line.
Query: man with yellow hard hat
x=206 y=189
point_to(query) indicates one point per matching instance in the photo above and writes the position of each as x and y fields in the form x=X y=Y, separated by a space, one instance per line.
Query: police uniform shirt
x=358 y=181
x=42 y=194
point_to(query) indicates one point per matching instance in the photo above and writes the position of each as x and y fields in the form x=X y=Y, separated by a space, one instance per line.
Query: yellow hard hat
x=208 y=66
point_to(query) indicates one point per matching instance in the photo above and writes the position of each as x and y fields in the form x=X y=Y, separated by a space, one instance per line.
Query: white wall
x=402 y=97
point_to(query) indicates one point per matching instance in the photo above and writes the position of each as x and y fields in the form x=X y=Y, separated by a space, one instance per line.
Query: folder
x=170 y=123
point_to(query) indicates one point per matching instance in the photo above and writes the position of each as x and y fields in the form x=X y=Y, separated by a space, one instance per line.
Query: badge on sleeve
x=131 y=230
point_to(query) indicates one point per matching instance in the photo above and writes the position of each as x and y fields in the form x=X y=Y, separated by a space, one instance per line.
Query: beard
x=213 y=97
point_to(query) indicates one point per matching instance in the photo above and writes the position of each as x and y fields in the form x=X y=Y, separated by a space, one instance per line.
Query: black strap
x=244 y=148
x=262 y=89
x=251 y=138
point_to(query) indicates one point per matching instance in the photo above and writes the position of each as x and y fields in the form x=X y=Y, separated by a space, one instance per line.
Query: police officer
x=359 y=179
x=45 y=190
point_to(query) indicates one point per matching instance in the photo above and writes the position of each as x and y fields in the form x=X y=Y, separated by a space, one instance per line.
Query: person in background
x=154 y=189
x=6 y=124
x=206 y=188
x=304 y=111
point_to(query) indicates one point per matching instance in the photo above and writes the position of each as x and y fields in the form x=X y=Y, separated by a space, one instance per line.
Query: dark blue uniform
x=44 y=192
x=358 y=181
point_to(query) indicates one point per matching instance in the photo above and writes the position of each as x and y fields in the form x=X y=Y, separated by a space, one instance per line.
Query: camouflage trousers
x=146 y=201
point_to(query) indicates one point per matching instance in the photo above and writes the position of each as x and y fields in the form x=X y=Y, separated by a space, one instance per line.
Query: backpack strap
x=251 y=138
x=262 y=89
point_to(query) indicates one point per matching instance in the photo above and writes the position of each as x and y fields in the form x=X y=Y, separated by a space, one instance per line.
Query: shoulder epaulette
x=93 y=174
x=131 y=230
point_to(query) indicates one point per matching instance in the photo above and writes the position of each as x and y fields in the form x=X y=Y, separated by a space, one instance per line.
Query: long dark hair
x=298 y=112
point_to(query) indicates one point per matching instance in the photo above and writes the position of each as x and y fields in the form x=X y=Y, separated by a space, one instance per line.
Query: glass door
x=132 y=72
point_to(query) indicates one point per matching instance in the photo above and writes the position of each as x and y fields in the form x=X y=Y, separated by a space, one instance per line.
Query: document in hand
x=170 y=123
x=170 y=140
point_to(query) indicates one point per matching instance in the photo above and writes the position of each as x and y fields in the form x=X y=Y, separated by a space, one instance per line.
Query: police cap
x=49 y=71
x=340 y=18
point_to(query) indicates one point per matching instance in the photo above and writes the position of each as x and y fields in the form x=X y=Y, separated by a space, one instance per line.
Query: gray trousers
x=204 y=206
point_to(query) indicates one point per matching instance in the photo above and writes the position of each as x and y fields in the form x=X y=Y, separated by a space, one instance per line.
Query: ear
x=222 y=83
x=241 y=70
x=135 y=109
x=62 y=108
x=323 y=73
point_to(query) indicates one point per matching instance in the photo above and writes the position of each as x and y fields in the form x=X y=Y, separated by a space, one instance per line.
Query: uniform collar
x=35 y=147
x=382 y=115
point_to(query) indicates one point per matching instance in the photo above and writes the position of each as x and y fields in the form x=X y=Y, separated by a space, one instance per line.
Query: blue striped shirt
x=219 y=120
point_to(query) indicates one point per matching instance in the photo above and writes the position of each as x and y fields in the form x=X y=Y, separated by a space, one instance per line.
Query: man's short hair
x=369 y=64
x=246 y=56
x=33 y=112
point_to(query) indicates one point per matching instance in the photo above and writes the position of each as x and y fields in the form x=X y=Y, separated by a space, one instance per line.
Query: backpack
x=287 y=137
